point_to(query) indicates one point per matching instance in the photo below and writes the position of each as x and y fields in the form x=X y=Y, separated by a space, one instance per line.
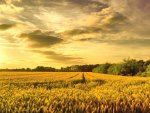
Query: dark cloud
x=58 y=2
x=86 y=39
x=6 y=26
x=130 y=42
x=122 y=42
x=45 y=3
x=89 y=5
x=41 y=39
x=115 y=24
x=85 y=5
x=138 y=43
x=137 y=12
x=83 y=30
x=59 y=57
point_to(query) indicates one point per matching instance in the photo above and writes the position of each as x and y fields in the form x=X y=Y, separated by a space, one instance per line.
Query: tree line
x=130 y=67
x=127 y=67
x=74 y=68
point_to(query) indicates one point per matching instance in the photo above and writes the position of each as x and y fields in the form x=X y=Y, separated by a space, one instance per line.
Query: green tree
x=130 y=67
x=147 y=72
x=102 y=68
x=115 y=69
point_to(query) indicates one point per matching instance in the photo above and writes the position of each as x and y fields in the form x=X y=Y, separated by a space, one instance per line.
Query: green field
x=73 y=92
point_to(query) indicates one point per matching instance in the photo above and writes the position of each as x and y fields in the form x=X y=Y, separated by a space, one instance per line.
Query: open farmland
x=73 y=92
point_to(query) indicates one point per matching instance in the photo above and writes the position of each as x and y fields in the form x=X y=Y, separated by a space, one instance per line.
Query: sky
x=60 y=33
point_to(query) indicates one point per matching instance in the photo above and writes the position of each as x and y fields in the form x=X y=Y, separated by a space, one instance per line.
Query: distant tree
x=130 y=67
x=102 y=68
x=127 y=67
x=141 y=66
x=86 y=68
x=28 y=69
x=147 y=63
x=44 y=69
x=115 y=69
x=147 y=72
x=79 y=68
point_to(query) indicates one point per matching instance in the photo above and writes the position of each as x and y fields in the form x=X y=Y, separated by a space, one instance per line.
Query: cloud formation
x=130 y=42
x=112 y=23
x=39 y=39
x=60 y=58
x=6 y=26
x=72 y=26
x=89 y=5
x=137 y=12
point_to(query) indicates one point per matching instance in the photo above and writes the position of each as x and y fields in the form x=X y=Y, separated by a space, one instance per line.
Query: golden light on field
x=43 y=41
x=70 y=92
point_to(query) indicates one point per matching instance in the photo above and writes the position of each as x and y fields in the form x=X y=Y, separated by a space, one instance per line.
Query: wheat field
x=73 y=92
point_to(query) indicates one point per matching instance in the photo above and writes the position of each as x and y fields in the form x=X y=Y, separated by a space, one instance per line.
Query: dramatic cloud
x=138 y=43
x=60 y=57
x=10 y=9
x=106 y=22
x=110 y=24
x=6 y=26
x=39 y=39
x=85 y=30
x=137 y=12
x=86 y=39
x=87 y=5
x=95 y=30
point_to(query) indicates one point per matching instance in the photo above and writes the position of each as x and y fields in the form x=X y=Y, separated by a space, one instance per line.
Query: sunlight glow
x=2 y=58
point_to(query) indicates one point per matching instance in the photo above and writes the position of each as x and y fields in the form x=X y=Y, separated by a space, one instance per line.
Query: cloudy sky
x=68 y=32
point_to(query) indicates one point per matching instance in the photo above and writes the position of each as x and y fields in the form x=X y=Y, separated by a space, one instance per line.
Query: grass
x=73 y=93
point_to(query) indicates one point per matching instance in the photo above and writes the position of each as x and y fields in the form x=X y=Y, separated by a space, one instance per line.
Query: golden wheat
x=67 y=93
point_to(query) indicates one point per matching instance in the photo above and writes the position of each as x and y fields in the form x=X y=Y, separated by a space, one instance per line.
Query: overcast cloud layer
x=69 y=32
